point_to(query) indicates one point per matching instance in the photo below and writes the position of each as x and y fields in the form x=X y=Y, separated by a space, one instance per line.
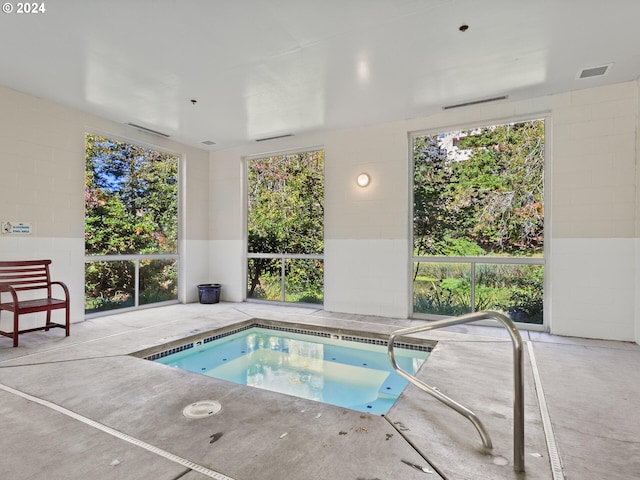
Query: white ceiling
x=262 y=68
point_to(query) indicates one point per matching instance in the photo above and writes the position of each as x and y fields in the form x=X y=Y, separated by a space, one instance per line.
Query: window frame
x=138 y=258
x=282 y=257
x=546 y=254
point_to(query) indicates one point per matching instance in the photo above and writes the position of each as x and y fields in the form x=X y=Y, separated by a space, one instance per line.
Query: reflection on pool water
x=345 y=373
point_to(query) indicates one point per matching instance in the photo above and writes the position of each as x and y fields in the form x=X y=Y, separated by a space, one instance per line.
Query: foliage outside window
x=131 y=208
x=479 y=193
x=285 y=221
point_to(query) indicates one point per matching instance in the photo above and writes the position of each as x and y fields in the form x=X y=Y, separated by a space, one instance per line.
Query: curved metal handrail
x=518 y=398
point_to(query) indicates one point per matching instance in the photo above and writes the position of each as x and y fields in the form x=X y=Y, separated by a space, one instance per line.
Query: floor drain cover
x=202 y=409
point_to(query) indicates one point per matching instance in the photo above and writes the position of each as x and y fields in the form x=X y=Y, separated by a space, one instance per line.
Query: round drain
x=202 y=409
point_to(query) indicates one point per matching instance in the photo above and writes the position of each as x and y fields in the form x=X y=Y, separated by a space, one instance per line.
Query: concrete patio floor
x=81 y=407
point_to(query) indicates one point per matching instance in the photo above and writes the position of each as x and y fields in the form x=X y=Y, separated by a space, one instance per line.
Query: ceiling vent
x=148 y=130
x=208 y=142
x=475 y=102
x=274 y=138
x=594 y=71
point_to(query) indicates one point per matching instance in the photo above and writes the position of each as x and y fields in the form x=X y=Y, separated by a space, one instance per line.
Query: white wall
x=226 y=230
x=194 y=227
x=594 y=212
x=591 y=209
x=42 y=172
x=592 y=237
x=366 y=248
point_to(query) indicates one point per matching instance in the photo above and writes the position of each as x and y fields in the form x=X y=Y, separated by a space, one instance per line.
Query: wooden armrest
x=64 y=287
x=11 y=290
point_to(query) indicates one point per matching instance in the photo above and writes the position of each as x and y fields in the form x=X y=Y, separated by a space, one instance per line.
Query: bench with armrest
x=19 y=277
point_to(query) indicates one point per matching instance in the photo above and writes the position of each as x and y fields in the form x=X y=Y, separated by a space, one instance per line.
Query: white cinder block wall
x=226 y=230
x=591 y=209
x=366 y=248
x=594 y=212
x=42 y=162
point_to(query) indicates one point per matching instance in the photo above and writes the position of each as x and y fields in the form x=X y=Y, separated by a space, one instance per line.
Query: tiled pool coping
x=161 y=351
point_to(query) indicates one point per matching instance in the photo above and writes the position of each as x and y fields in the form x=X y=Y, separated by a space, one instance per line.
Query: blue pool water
x=339 y=372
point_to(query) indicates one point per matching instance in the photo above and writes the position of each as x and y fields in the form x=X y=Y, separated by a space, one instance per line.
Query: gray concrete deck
x=82 y=408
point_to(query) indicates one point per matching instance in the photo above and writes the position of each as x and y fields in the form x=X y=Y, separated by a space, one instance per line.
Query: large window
x=285 y=227
x=131 y=225
x=478 y=221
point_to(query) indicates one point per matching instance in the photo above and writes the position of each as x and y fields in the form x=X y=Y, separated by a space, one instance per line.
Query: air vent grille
x=475 y=102
x=274 y=138
x=148 y=130
x=594 y=71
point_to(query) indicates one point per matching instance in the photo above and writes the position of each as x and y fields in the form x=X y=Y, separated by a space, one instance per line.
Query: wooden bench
x=17 y=277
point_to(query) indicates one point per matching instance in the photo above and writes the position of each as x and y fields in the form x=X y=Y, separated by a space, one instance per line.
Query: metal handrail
x=518 y=397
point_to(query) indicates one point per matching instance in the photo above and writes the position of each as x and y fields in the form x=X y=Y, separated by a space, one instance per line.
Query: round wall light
x=363 y=179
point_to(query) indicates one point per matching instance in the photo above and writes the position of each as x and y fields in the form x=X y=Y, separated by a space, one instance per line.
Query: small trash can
x=209 y=293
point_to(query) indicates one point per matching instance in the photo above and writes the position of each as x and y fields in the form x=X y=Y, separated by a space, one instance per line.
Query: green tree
x=500 y=187
x=493 y=198
x=131 y=197
x=432 y=177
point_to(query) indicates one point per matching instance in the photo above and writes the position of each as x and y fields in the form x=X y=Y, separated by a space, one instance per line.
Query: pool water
x=339 y=372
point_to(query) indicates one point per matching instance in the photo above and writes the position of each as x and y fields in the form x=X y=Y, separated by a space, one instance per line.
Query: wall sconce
x=363 y=179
